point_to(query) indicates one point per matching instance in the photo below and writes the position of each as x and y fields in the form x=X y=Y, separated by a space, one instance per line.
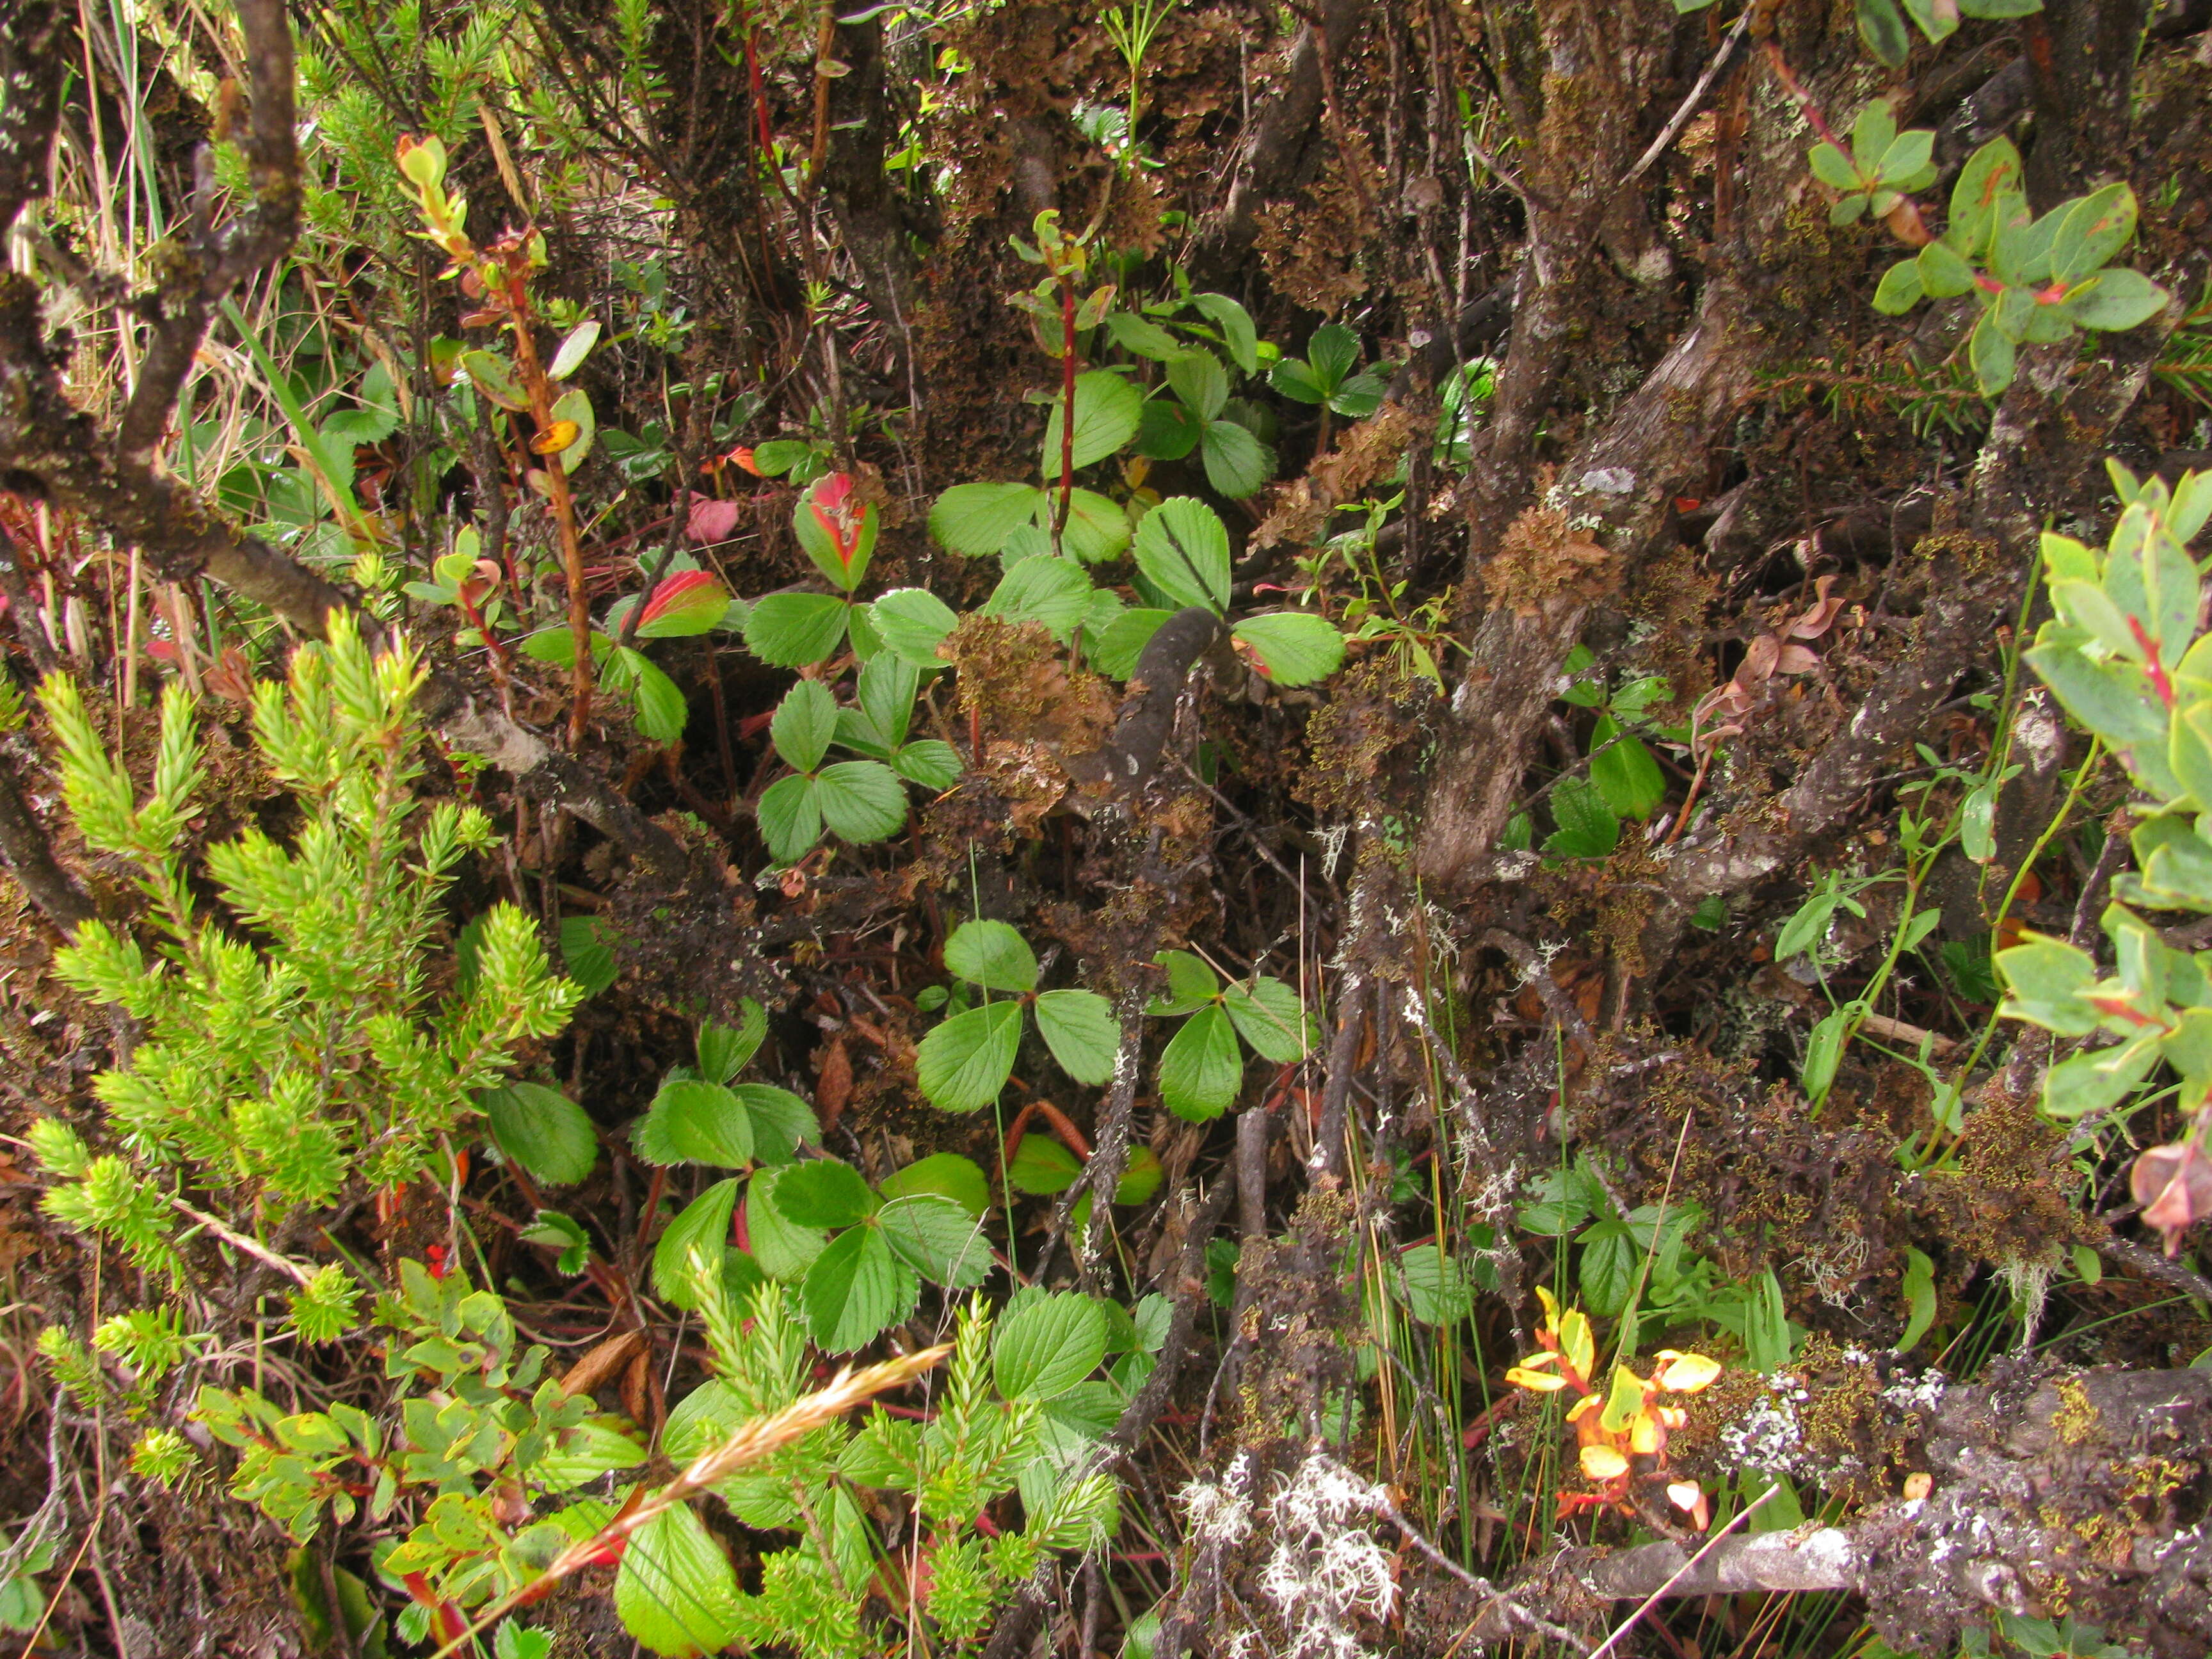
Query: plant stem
x=1067 y=409
x=564 y=514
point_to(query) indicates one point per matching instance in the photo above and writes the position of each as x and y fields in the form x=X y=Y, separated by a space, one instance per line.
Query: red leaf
x=689 y=602
x=711 y=521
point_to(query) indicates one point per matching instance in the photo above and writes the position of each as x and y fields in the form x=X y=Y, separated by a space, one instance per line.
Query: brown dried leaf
x=589 y=1374
x=832 y=1083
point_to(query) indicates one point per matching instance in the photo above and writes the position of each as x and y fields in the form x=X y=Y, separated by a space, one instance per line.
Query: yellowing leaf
x=1624 y=1402
x=1603 y=1464
x=1577 y=1342
x=555 y=439
x=1685 y=1495
x=1686 y=1373
x=1551 y=1308
x=1645 y=1436
x=1541 y=1382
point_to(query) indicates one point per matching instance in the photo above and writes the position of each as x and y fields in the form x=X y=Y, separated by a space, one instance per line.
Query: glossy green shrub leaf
x=945 y=1175
x=2049 y=982
x=1991 y=355
x=1834 y=168
x=1943 y=273
x=1078 y=1027
x=1606 y=1267
x=2118 y=300
x=1919 y=1287
x=577 y=346
x=1938 y=19
x=1237 y=333
x=543 y=1130
x=1141 y=336
x=962 y=1065
x=1624 y=771
x=1182 y=548
x=2095 y=228
x=1107 y=409
x=1882 y=32
x=1902 y=286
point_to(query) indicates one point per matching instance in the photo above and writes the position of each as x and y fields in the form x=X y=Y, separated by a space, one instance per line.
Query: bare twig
x=1722 y=59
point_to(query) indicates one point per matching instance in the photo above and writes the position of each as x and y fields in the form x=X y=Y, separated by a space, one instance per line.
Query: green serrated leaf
x=791 y=630
x=1271 y=1019
x=861 y=800
x=1202 y=1069
x=700 y=1232
x=961 y=1066
x=855 y=1287
x=1182 y=548
x=803 y=724
x=1078 y=1027
x=1047 y=1344
x=823 y=1192
x=976 y=518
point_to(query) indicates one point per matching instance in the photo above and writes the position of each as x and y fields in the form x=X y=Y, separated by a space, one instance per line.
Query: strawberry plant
x=965 y=1061
x=1202 y=1067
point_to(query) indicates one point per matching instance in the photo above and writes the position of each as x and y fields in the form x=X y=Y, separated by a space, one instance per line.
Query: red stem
x=1067 y=407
